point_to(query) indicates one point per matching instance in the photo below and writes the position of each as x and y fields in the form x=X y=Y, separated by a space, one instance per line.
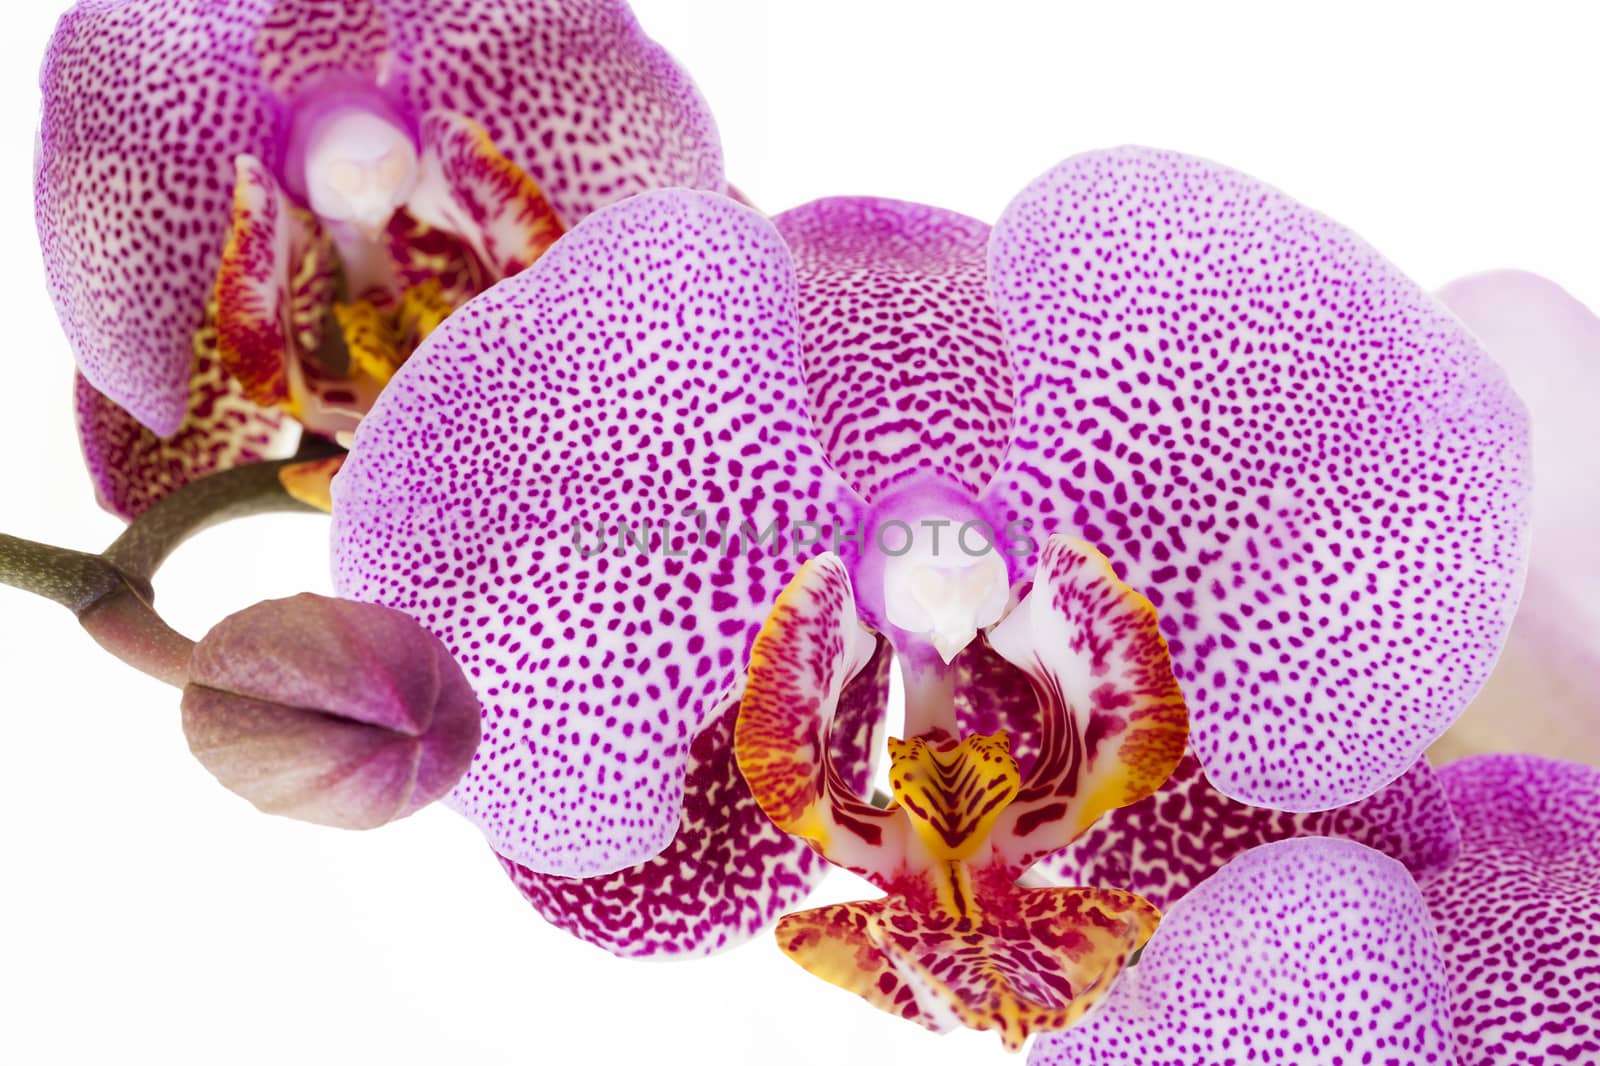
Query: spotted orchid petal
x=1169 y=842
x=132 y=221
x=1110 y=722
x=1517 y=914
x=1310 y=950
x=1544 y=694
x=730 y=871
x=131 y=467
x=992 y=695
x=572 y=91
x=302 y=42
x=147 y=104
x=645 y=369
x=1308 y=466
x=904 y=362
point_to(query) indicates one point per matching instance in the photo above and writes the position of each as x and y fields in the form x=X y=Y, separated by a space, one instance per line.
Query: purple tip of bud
x=330 y=711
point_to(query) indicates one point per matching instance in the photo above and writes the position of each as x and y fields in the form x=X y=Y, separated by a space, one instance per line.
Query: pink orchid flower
x=252 y=210
x=1233 y=455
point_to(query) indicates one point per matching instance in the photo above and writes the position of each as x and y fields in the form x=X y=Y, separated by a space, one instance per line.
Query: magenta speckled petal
x=904 y=361
x=1309 y=467
x=301 y=41
x=1519 y=914
x=646 y=366
x=728 y=873
x=133 y=468
x=1166 y=844
x=131 y=215
x=1544 y=694
x=572 y=91
x=1304 y=951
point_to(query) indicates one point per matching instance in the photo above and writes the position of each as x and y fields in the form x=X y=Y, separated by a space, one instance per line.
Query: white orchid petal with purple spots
x=572 y=91
x=646 y=366
x=1171 y=841
x=146 y=104
x=1519 y=913
x=903 y=356
x=1544 y=694
x=302 y=41
x=1304 y=951
x=729 y=872
x=1309 y=467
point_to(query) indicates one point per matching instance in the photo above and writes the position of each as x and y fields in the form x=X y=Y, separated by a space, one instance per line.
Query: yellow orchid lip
x=953 y=793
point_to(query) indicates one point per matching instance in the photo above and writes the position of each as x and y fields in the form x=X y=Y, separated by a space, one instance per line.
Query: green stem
x=111 y=594
x=201 y=504
x=74 y=579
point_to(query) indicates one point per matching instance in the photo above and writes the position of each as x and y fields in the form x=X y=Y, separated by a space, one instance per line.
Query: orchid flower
x=1542 y=696
x=252 y=210
x=1323 y=950
x=1244 y=488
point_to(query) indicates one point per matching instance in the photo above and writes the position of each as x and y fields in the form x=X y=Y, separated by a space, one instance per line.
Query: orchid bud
x=330 y=711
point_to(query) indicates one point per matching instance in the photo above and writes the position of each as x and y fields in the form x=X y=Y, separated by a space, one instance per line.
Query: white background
x=146 y=914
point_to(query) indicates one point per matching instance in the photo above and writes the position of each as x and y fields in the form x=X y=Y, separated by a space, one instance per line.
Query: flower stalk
x=111 y=593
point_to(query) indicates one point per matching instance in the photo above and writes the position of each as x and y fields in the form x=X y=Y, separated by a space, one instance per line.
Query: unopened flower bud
x=331 y=711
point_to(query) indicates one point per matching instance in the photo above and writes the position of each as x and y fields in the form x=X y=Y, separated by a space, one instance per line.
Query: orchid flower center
x=318 y=303
x=359 y=167
x=936 y=589
x=1076 y=671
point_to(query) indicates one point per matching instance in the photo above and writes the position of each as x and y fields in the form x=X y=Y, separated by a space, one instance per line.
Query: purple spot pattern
x=1519 y=914
x=300 y=40
x=145 y=106
x=730 y=871
x=1308 y=466
x=1304 y=951
x=572 y=91
x=648 y=364
x=147 y=102
x=132 y=468
x=905 y=367
x=1169 y=842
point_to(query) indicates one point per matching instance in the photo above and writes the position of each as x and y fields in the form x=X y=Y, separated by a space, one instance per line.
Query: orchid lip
x=959 y=939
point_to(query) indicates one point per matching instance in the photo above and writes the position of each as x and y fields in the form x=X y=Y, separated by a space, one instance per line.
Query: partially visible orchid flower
x=252 y=210
x=1185 y=415
x=1544 y=694
x=1317 y=950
